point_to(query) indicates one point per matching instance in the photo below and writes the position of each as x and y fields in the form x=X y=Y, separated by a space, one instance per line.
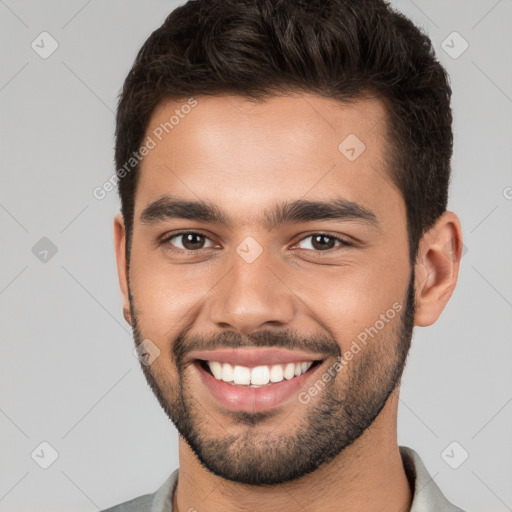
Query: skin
x=246 y=157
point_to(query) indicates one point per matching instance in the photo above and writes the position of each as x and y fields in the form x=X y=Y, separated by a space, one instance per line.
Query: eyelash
x=166 y=242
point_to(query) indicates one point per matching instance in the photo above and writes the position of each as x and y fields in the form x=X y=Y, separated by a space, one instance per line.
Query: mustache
x=289 y=340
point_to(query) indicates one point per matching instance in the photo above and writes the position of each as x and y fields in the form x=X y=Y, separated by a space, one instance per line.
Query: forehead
x=218 y=122
x=225 y=148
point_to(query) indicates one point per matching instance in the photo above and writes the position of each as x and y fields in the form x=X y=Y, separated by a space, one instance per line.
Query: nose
x=251 y=297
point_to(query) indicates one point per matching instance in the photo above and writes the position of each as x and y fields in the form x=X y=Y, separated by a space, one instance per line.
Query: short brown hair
x=339 y=49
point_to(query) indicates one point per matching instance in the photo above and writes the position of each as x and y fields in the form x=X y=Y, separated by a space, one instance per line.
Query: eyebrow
x=169 y=207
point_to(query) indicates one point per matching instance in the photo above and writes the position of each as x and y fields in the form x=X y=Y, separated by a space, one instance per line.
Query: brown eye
x=187 y=241
x=322 y=242
x=192 y=241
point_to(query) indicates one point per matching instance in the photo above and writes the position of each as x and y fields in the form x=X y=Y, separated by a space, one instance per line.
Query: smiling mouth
x=256 y=376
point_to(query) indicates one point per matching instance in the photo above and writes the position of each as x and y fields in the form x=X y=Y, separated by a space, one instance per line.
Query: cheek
x=350 y=301
x=165 y=295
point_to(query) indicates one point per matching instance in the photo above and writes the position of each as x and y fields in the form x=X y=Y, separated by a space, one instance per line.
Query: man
x=283 y=169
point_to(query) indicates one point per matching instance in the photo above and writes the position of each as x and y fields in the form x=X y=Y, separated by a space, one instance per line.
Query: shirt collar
x=427 y=495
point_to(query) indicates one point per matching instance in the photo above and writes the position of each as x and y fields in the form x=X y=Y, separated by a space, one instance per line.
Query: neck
x=368 y=475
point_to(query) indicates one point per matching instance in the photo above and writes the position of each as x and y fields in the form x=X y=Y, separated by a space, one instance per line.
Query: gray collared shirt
x=427 y=495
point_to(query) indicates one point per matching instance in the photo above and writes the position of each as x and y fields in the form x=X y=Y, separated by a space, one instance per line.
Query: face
x=267 y=235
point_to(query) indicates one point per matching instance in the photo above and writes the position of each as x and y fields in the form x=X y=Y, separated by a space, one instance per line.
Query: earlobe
x=437 y=268
x=122 y=268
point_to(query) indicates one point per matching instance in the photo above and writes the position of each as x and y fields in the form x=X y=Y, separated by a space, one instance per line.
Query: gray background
x=68 y=374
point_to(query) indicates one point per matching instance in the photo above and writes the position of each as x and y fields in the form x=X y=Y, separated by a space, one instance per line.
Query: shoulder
x=140 y=504
x=159 y=501
x=427 y=497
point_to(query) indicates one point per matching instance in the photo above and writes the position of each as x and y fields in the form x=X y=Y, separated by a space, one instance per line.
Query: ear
x=122 y=266
x=437 y=268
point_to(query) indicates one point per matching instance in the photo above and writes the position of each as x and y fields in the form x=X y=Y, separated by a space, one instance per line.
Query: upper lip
x=255 y=356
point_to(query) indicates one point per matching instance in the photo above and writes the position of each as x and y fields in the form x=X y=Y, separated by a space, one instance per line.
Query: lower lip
x=242 y=398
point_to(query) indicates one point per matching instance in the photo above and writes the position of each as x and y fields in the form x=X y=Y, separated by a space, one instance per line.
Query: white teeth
x=276 y=373
x=227 y=372
x=241 y=375
x=304 y=367
x=289 y=371
x=216 y=369
x=258 y=375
